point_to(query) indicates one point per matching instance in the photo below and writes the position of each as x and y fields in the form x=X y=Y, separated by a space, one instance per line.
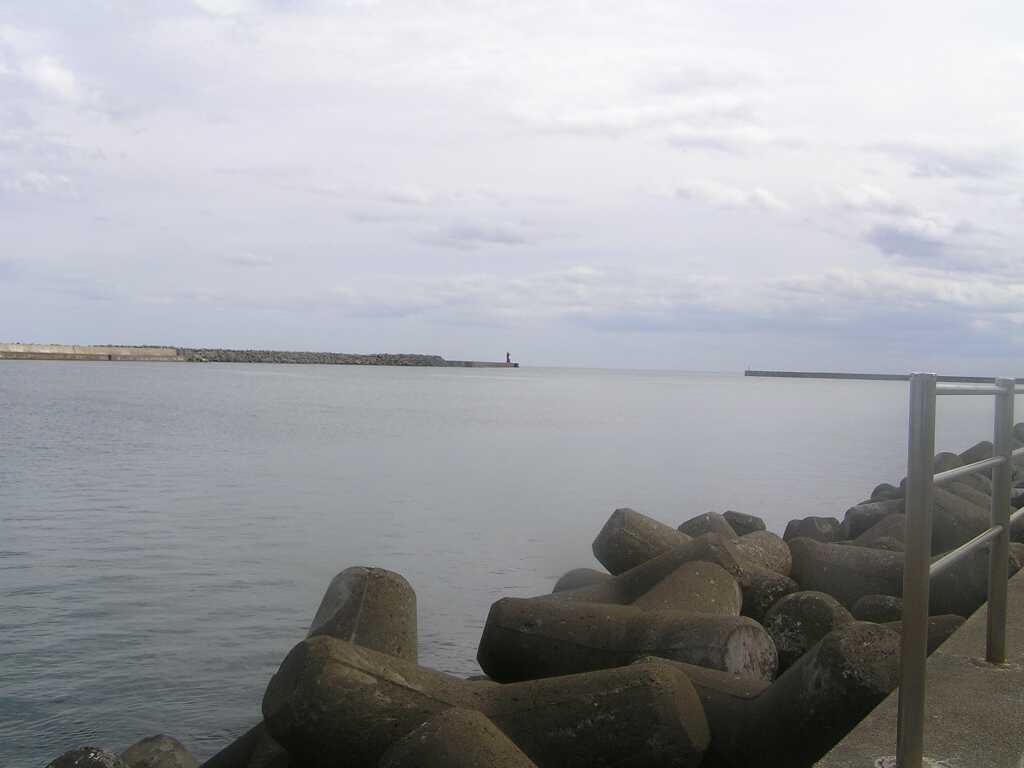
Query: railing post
x=999 y=549
x=916 y=562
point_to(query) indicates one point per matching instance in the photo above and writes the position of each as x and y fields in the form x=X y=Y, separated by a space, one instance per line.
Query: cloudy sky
x=699 y=185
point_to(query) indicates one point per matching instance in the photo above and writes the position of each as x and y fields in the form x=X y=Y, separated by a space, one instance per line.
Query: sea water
x=167 y=530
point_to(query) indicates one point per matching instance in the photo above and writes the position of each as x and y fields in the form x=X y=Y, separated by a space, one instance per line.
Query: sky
x=694 y=185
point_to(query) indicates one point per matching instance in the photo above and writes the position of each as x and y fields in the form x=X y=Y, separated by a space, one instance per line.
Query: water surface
x=167 y=530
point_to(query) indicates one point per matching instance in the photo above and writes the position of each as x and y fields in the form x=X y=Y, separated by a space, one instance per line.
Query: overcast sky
x=700 y=185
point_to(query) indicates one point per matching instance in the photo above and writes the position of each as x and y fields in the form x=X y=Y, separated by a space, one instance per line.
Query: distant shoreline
x=154 y=354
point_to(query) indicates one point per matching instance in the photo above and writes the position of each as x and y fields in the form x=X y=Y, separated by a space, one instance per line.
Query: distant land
x=215 y=355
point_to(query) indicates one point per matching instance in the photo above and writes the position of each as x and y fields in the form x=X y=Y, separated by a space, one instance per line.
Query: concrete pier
x=79 y=352
x=973 y=709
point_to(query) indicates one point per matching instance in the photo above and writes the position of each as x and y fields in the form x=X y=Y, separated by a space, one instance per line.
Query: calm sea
x=166 y=531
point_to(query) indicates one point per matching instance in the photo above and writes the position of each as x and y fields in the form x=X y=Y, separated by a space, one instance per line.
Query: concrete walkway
x=974 y=712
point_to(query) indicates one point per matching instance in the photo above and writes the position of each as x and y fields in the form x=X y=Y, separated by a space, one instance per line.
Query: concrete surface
x=973 y=710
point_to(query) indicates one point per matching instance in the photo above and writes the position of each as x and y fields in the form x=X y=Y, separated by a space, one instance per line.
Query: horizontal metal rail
x=967 y=469
x=967 y=389
x=969 y=547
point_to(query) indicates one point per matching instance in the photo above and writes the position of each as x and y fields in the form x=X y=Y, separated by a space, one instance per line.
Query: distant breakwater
x=212 y=355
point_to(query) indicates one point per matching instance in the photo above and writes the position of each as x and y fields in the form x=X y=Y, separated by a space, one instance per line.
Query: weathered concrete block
x=798 y=621
x=88 y=757
x=255 y=748
x=456 y=738
x=862 y=516
x=846 y=572
x=709 y=522
x=761 y=588
x=886 y=542
x=237 y=753
x=955 y=520
x=880 y=609
x=630 y=585
x=978 y=452
x=371 y=607
x=944 y=461
x=886 y=492
x=630 y=539
x=580 y=577
x=978 y=498
x=817 y=528
x=964 y=587
x=158 y=752
x=849 y=573
x=332 y=702
x=891 y=527
x=528 y=639
x=795 y=720
x=697 y=587
x=940 y=628
x=766 y=550
x=743 y=523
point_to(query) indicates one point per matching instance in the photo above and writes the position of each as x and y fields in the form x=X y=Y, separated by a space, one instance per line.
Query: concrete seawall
x=79 y=352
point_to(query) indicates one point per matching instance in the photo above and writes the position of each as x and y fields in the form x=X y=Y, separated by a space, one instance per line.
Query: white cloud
x=35 y=182
x=249 y=260
x=723 y=196
x=54 y=78
x=225 y=7
x=24 y=55
x=868 y=198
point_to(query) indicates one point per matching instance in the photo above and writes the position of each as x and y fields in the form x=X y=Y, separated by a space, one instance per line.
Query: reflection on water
x=166 y=531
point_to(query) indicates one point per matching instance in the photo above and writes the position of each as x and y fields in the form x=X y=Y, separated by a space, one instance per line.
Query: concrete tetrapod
x=886 y=492
x=709 y=522
x=334 y=703
x=862 y=516
x=529 y=639
x=880 y=609
x=579 y=577
x=848 y=573
x=456 y=738
x=982 y=499
x=940 y=628
x=798 y=621
x=630 y=585
x=817 y=528
x=630 y=538
x=697 y=587
x=761 y=587
x=765 y=549
x=158 y=752
x=807 y=710
x=955 y=520
x=889 y=527
x=371 y=607
x=743 y=523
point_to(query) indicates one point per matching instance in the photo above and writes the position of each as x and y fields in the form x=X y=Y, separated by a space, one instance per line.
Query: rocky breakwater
x=307 y=358
x=715 y=643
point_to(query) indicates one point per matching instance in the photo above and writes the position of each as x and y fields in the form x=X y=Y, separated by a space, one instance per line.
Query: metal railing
x=918 y=567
